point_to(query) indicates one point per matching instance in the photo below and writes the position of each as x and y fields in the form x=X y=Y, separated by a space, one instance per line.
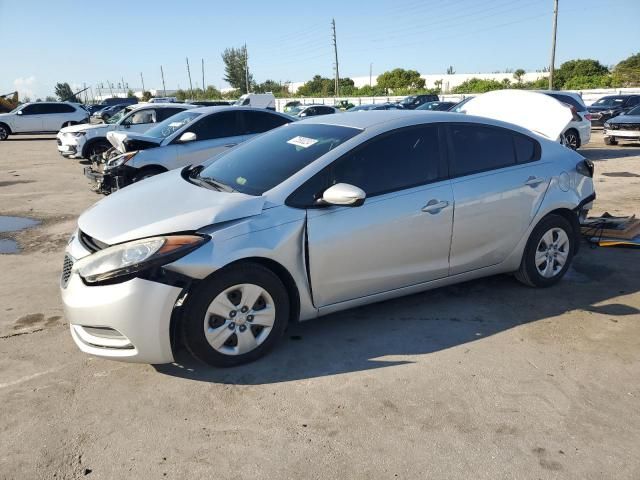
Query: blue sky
x=46 y=41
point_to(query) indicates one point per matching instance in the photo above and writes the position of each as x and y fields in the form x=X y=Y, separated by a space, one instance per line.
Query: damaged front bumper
x=111 y=180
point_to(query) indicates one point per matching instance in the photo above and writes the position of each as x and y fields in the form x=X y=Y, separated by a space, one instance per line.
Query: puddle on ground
x=13 y=224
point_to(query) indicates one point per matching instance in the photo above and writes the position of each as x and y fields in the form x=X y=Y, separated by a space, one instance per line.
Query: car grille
x=625 y=126
x=67 y=266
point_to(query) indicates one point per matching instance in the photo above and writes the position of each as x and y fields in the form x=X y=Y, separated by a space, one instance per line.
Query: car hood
x=163 y=204
x=621 y=119
x=83 y=127
x=123 y=140
x=534 y=111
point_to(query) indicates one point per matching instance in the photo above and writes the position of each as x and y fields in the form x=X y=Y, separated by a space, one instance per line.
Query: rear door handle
x=534 y=181
x=434 y=206
x=229 y=145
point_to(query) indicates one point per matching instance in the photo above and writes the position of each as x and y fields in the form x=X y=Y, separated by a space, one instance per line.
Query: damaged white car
x=319 y=216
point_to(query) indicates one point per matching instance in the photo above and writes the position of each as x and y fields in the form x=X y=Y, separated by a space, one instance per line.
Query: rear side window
x=217 y=125
x=527 y=149
x=478 y=148
x=56 y=108
x=259 y=122
x=164 y=113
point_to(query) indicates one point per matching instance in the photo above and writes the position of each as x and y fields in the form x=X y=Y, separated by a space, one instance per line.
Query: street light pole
x=553 y=43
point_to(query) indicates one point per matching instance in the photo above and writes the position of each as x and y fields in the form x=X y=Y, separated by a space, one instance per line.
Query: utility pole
x=203 y=87
x=553 y=43
x=246 y=67
x=124 y=92
x=370 y=74
x=335 y=50
x=110 y=87
x=142 y=80
x=189 y=74
x=164 y=88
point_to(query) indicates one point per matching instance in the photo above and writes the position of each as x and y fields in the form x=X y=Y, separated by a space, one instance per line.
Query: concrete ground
x=484 y=380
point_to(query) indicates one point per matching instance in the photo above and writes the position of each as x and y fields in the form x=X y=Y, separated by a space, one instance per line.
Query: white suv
x=86 y=141
x=578 y=132
x=41 y=117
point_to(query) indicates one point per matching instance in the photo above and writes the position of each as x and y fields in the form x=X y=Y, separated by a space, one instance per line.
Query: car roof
x=221 y=108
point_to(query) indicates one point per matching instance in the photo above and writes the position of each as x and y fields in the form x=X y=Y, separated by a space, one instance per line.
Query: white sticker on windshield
x=303 y=142
x=175 y=124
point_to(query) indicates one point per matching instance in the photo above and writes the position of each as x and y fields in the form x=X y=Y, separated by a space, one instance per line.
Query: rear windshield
x=579 y=106
x=266 y=161
x=172 y=124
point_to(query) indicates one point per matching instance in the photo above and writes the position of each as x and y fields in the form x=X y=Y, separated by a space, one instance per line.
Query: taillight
x=585 y=168
x=587 y=116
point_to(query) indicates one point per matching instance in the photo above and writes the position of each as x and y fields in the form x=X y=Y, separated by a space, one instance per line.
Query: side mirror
x=303 y=114
x=187 y=137
x=344 y=194
x=19 y=112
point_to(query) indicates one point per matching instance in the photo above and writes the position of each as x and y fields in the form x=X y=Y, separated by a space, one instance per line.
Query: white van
x=257 y=100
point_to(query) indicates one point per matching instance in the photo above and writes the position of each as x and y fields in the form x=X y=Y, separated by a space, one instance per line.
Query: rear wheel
x=610 y=141
x=236 y=316
x=4 y=132
x=548 y=253
x=572 y=139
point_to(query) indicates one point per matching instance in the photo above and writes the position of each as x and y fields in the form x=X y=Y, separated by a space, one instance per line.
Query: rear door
x=214 y=133
x=400 y=236
x=498 y=185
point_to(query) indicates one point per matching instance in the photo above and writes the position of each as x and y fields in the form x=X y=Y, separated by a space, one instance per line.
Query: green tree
x=130 y=93
x=146 y=96
x=235 y=63
x=627 y=72
x=578 y=68
x=64 y=93
x=370 y=91
x=401 y=78
x=269 y=86
x=318 y=86
x=518 y=75
x=478 y=85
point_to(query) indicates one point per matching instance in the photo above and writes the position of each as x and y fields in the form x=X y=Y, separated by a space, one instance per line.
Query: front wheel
x=610 y=141
x=548 y=253
x=236 y=316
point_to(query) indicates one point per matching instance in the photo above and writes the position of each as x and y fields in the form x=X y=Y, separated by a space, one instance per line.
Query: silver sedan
x=312 y=218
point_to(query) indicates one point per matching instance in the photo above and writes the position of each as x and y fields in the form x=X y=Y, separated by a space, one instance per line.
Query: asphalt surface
x=484 y=380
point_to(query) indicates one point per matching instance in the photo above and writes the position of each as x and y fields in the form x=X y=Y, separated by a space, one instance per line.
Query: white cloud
x=26 y=87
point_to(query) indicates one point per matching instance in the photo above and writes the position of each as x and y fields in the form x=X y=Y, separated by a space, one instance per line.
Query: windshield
x=634 y=111
x=295 y=110
x=609 y=101
x=266 y=161
x=408 y=99
x=119 y=116
x=19 y=107
x=172 y=124
x=243 y=100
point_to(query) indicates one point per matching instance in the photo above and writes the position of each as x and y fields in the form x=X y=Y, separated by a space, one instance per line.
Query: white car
x=86 y=141
x=304 y=111
x=41 y=117
x=578 y=132
x=257 y=100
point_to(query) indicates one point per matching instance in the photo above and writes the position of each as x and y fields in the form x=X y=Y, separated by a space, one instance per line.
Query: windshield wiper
x=223 y=187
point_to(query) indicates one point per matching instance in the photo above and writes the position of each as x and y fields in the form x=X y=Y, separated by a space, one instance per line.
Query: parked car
x=94 y=108
x=316 y=217
x=257 y=100
x=87 y=141
x=459 y=107
x=107 y=112
x=187 y=138
x=625 y=126
x=108 y=102
x=437 y=106
x=289 y=105
x=578 y=132
x=163 y=100
x=375 y=106
x=41 y=117
x=304 y=111
x=611 y=106
x=211 y=103
x=414 y=101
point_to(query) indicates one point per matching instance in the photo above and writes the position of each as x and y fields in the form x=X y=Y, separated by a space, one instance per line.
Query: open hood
x=163 y=204
x=534 y=111
x=128 y=142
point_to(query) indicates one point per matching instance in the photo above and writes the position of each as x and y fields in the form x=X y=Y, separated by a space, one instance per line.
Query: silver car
x=312 y=218
x=186 y=138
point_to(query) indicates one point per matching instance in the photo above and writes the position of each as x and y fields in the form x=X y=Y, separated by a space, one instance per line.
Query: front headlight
x=78 y=134
x=120 y=159
x=132 y=257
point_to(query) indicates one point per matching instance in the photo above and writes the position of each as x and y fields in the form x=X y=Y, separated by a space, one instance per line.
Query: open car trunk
x=534 y=111
x=129 y=142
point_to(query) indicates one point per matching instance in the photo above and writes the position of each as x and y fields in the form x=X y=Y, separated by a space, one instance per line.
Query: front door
x=400 y=236
x=30 y=120
x=498 y=187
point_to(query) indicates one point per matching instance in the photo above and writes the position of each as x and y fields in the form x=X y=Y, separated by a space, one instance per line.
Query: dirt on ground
x=483 y=380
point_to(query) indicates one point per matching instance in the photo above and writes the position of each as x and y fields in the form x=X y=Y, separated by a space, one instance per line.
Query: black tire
x=572 y=139
x=528 y=272
x=148 y=172
x=4 y=132
x=97 y=147
x=192 y=324
x=610 y=141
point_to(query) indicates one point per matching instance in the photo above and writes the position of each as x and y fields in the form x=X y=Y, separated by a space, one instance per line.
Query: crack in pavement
x=17 y=334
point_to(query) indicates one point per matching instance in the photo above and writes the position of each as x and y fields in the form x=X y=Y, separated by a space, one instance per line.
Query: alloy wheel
x=552 y=252
x=571 y=140
x=3 y=133
x=239 y=319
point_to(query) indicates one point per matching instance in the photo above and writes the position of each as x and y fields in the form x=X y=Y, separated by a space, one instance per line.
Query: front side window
x=32 y=109
x=217 y=125
x=259 y=122
x=140 y=117
x=394 y=161
x=172 y=124
x=479 y=148
x=268 y=160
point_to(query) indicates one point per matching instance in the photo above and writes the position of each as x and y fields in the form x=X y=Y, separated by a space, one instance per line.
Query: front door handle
x=534 y=181
x=229 y=145
x=434 y=206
